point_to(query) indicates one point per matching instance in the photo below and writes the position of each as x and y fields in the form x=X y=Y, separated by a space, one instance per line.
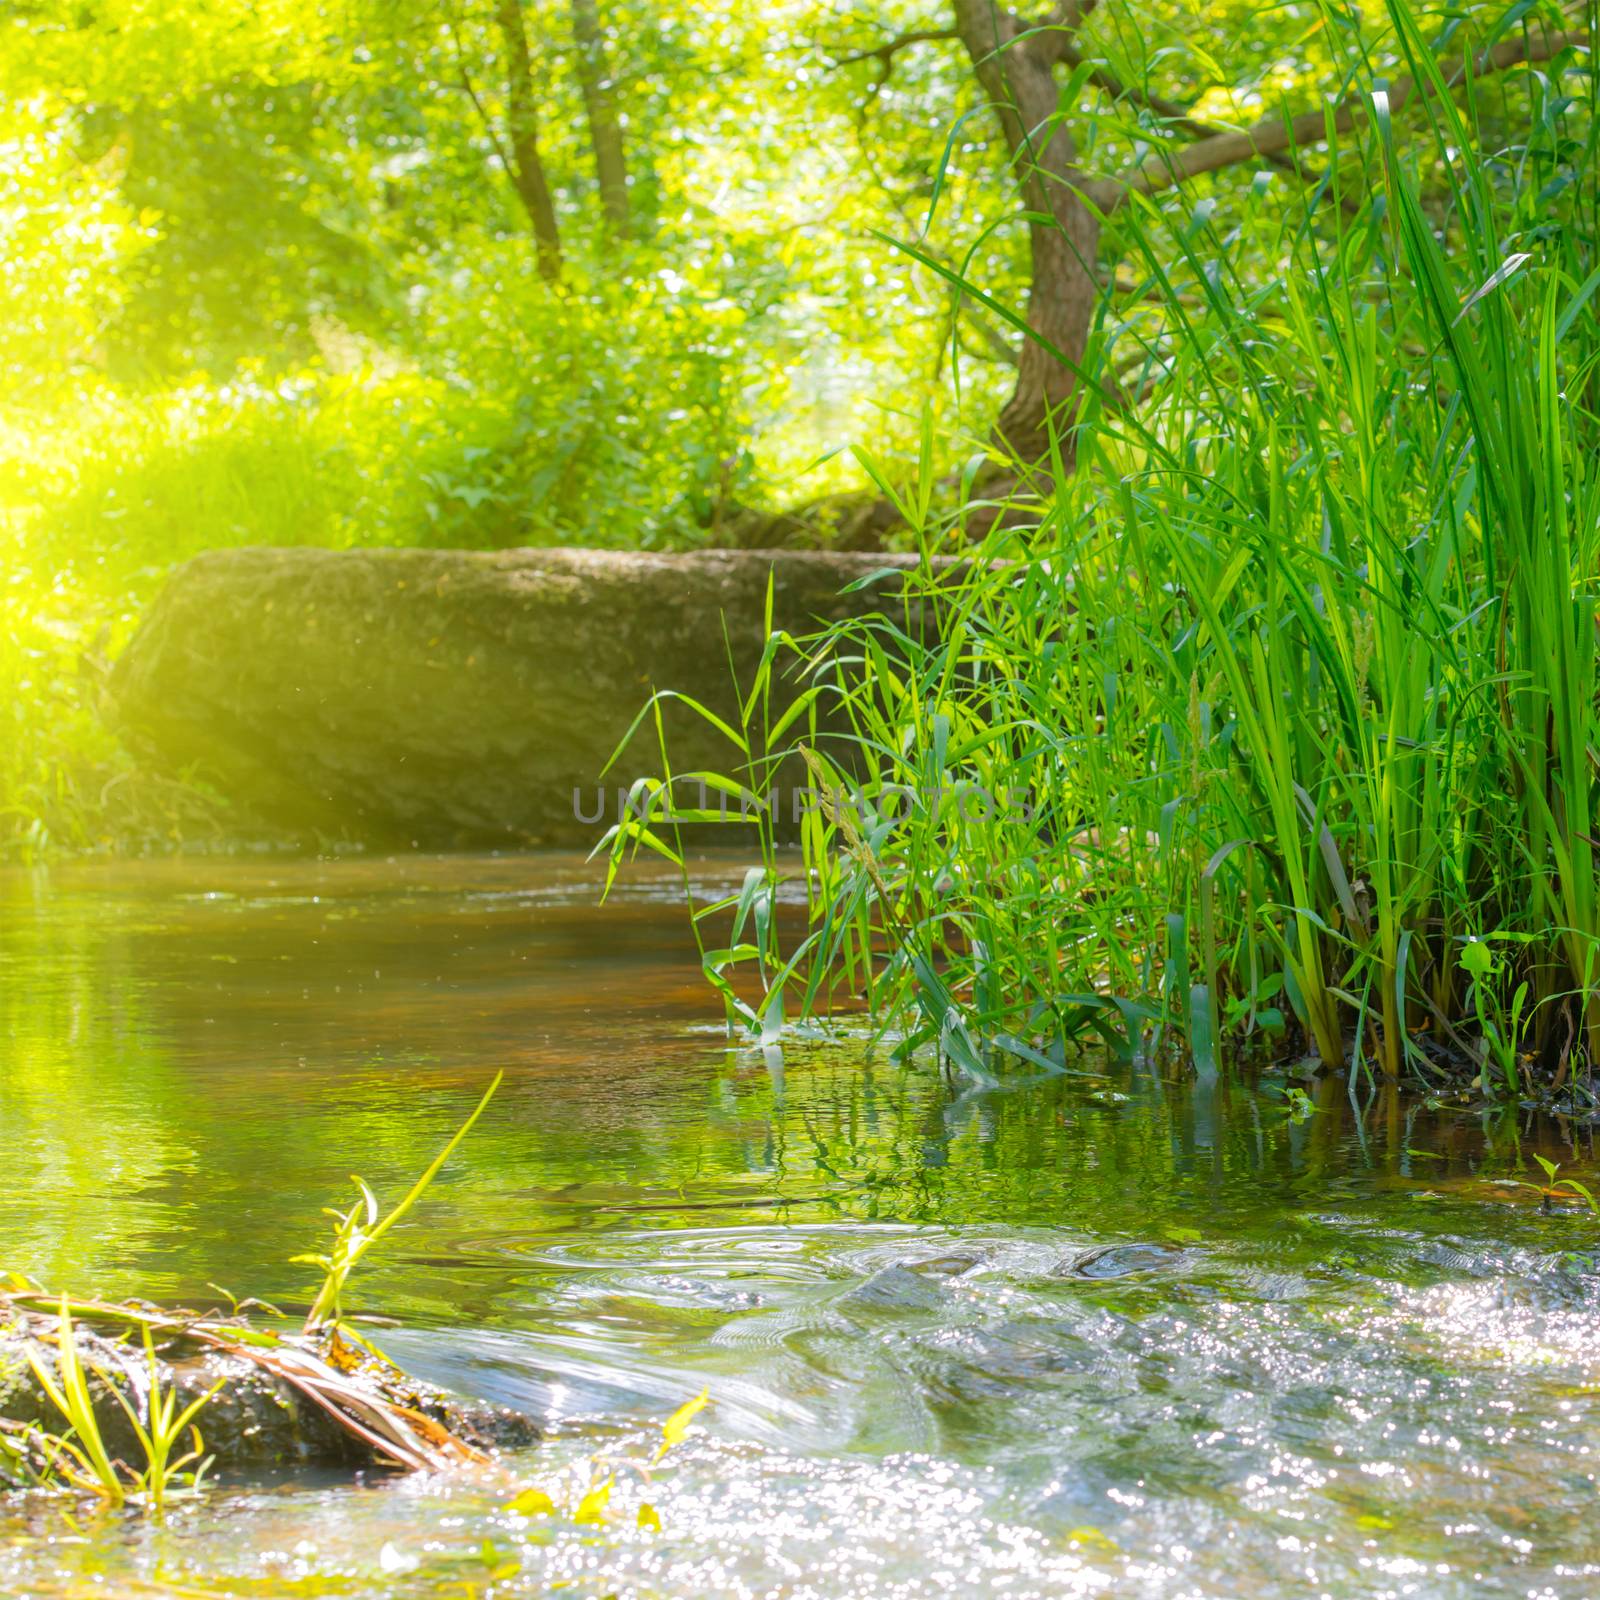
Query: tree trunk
x=600 y=106
x=527 y=169
x=1015 y=66
x=1061 y=300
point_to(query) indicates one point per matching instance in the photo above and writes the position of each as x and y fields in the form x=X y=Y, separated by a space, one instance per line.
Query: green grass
x=357 y=1230
x=1297 y=668
x=101 y=494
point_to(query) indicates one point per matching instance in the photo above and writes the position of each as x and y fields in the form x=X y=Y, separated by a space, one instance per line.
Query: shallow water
x=1105 y=1334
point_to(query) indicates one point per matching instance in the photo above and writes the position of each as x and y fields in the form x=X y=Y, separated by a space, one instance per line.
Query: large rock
x=451 y=698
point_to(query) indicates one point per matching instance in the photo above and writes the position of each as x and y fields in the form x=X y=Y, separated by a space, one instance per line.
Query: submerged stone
x=951 y=1265
x=895 y=1288
x=1118 y=1261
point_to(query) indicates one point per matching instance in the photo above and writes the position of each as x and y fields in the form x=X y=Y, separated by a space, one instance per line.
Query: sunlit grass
x=1296 y=671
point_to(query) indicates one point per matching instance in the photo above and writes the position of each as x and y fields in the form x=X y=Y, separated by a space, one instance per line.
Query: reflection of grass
x=108 y=1006
x=88 y=1100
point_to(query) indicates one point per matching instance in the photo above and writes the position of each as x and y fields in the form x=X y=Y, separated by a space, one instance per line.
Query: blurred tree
x=522 y=115
x=600 y=106
x=626 y=247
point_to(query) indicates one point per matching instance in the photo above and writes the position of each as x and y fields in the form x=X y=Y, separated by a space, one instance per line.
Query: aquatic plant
x=1259 y=714
x=81 y=1457
x=592 y=1506
x=385 y=1416
x=357 y=1230
x=359 y=1390
x=1564 y=1188
x=161 y=1429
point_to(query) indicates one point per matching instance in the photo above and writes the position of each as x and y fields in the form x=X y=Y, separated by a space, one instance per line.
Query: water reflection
x=1103 y=1330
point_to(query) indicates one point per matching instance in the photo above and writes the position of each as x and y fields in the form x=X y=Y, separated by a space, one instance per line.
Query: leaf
x=677 y=1425
x=1502 y=274
x=592 y=1508
x=342 y=1357
x=532 y=1503
x=1477 y=958
x=1004 y=312
x=649 y=1517
x=1577 y=303
x=1092 y=1539
x=1202 y=1043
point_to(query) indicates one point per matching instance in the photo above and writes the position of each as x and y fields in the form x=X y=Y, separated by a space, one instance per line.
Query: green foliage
x=160 y=1430
x=591 y=1496
x=80 y=1457
x=1286 y=695
x=274 y=284
x=269 y=283
x=1566 y=1188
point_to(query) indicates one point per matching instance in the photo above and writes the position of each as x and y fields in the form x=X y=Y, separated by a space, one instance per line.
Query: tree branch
x=477 y=105
x=600 y=109
x=1055 y=40
x=488 y=128
x=1274 y=135
x=1176 y=115
x=532 y=187
x=890 y=48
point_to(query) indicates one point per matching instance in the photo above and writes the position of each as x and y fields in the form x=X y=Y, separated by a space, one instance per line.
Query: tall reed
x=1295 y=672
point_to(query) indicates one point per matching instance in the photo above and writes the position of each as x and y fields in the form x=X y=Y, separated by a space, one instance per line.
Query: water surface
x=1102 y=1334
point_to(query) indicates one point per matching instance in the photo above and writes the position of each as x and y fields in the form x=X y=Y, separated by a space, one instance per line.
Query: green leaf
x=592 y=1508
x=676 y=1426
x=1503 y=274
x=532 y=1503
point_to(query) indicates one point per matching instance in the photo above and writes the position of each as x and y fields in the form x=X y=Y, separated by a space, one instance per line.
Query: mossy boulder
x=262 y=1409
x=453 y=698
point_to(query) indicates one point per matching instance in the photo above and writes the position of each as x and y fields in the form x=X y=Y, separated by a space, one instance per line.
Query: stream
x=1100 y=1334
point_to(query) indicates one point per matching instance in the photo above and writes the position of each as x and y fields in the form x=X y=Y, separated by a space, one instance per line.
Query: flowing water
x=1099 y=1334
